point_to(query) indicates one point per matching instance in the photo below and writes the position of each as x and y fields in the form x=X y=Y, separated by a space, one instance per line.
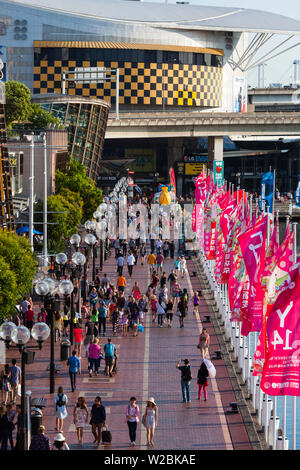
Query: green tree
x=18 y=105
x=76 y=180
x=20 y=111
x=8 y=290
x=40 y=118
x=64 y=217
x=16 y=252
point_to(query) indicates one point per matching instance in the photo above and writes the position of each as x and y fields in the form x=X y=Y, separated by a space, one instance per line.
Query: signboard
x=180 y=168
x=239 y=95
x=145 y=160
x=195 y=158
x=218 y=172
x=90 y=74
x=194 y=168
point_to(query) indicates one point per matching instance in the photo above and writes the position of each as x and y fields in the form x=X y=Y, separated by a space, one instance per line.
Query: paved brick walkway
x=146 y=367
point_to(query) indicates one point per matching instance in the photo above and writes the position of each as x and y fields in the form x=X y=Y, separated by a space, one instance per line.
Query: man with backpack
x=186 y=377
x=110 y=352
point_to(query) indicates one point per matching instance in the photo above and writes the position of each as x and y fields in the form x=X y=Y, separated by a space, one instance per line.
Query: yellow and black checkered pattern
x=140 y=83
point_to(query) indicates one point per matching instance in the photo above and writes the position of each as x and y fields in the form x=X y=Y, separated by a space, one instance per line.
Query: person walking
x=166 y=249
x=60 y=442
x=203 y=343
x=115 y=320
x=159 y=262
x=172 y=249
x=40 y=441
x=136 y=291
x=98 y=417
x=95 y=321
x=29 y=317
x=169 y=313
x=88 y=332
x=151 y=261
x=160 y=312
x=80 y=417
x=60 y=401
x=153 y=304
x=78 y=338
x=143 y=251
x=5 y=383
x=196 y=302
x=74 y=368
x=150 y=418
x=175 y=292
x=130 y=263
x=15 y=379
x=5 y=427
x=186 y=378
x=102 y=310
x=121 y=283
x=182 y=266
x=94 y=353
x=176 y=266
x=58 y=325
x=93 y=298
x=120 y=264
x=202 y=380
x=109 y=351
x=132 y=418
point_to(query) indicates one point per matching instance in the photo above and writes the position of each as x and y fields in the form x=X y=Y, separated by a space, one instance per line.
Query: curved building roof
x=168 y=15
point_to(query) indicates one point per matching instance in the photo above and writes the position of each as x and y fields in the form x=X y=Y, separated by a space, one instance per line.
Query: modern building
x=170 y=57
x=85 y=120
x=19 y=153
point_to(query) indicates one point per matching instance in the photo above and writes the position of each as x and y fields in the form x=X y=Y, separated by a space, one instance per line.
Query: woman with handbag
x=202 y=381
x=132 y=419
x=203 y=344
x=60 y=401
x=80 y=415
x=150 y=420
x=98 y=417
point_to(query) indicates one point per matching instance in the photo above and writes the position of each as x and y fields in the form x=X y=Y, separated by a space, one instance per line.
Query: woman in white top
x=150 y=420
x=60 y=401
x=132 y=418
x=182 y=266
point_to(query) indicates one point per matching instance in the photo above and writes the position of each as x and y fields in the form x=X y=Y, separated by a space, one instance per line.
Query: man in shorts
x=110 y=352
x=159 y=262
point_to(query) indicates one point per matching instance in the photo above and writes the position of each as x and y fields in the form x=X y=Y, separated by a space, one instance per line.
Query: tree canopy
x=17 y=269
x=75 y=180
x=20 y=110
x=65 y=214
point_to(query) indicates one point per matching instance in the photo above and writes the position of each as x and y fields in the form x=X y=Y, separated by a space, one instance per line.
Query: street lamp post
x=46 y=288
x=20 y=335
x=78 y=260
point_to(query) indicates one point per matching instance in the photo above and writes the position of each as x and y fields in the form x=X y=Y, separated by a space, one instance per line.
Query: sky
x=279 y=69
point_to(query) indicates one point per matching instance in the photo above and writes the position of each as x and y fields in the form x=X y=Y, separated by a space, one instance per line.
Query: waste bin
x=65 y=347
x=36 y=420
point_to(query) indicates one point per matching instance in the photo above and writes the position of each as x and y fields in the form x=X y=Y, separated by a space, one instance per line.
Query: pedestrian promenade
x=147 y=367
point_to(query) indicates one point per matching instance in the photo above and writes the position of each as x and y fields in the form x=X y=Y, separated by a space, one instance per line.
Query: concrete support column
x=175 y=151
x=215 y=150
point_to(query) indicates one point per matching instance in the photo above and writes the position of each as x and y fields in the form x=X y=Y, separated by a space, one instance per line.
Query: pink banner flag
x=252 y=243
x=280 y=374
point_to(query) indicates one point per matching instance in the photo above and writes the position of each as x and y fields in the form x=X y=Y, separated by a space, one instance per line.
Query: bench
x=39 y=402
x=233 y=408
x=57 y=367
x=218 y=354
x=207 y=319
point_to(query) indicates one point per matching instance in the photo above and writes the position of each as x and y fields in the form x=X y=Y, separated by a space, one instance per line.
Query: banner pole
x=273 y=201
x=294 y=399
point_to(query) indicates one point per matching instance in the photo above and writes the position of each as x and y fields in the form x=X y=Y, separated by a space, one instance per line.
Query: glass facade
x=86 y=123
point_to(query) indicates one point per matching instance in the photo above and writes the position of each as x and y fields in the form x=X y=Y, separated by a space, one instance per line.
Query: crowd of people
x=107 y=310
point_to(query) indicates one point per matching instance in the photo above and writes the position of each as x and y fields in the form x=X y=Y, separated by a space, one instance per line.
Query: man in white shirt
x=158 y=246
x=130 y=263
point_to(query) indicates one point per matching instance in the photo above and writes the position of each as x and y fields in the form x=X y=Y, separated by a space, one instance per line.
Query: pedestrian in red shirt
x=78 y=336
x=29 y=317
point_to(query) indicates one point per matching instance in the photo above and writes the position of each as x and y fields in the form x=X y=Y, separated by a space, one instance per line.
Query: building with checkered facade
x=161 y=63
